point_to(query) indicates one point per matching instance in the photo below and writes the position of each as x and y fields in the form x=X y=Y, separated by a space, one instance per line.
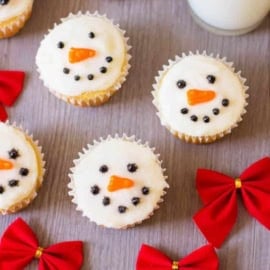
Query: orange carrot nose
x=196 y=96
x=117 y=182
x=5 y=164
x=79 y=54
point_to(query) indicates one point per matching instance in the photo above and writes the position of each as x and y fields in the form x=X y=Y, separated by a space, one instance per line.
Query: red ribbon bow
x=11 y=85
x=204 y=258
x=19 y=246
x=219 y=195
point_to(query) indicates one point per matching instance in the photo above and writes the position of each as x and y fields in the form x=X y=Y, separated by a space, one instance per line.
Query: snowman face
x=12 y=8
x=18 y=166
x=200 y=95
x=84 y=53
x=118 y=183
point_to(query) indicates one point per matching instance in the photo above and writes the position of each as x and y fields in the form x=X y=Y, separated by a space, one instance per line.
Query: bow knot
x=219 y=195
x=39 y=253
x=175 y=265
x=11 y=85
x=238 y=183
x=19 y=246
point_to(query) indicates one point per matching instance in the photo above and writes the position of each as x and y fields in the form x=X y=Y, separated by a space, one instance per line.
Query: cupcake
x=199 y=97
x=13 y=16
x=21 y=168
x=84 y=60
x=117 y=182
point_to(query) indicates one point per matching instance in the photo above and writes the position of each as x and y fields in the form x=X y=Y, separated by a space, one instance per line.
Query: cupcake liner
x=96 y=100
x=41 y=166
x=14 y=25
x=198 y=139
x=89 y=147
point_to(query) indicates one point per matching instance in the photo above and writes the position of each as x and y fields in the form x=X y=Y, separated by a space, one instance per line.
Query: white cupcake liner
x=77 y=100
x=183 y=136
x=16 y=24
x=41 y=166
x=89 y=148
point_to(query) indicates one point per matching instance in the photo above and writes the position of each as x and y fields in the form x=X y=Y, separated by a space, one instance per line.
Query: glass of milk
x=229 y=17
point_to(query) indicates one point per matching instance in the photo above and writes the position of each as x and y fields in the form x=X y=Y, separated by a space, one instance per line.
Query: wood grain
x=158 y=30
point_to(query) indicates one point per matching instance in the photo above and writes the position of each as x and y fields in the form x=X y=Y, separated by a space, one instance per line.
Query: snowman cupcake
x=13 y=16
x=84 y=60
x=200 y=98
x=117 y=182
x=21 y=169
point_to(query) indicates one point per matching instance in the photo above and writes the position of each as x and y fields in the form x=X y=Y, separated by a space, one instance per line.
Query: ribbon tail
x=3 y=114
x=217 y=218
x=150 y=258
x=66 y=255
x=202 y=258
x=17 y=246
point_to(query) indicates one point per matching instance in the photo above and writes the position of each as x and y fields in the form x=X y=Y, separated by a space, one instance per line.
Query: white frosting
x=117 y=153
x=193 y=70
x=12 y=138
x=74 y=33
x=231 y=14
x=14 y=8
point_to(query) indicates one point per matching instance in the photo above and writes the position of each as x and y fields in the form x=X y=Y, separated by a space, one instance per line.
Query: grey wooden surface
x=158 y=30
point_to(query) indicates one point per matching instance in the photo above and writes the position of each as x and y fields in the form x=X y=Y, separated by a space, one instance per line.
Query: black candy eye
x=91 y=35
x=132 y=167
x=103 y=168
x=24 y=172
x=2 y=190
x=211 y=78
x=60 y=45
x=13 y=153
x=181 y=84
x=4 y=2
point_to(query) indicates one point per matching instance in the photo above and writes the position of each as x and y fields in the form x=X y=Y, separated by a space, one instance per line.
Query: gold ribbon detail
x=39 y=252
x=175 y=265
x=238 y=183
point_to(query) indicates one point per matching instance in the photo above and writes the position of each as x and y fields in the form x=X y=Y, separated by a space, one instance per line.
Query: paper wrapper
x=186 y=137
x=41 y=167
x=89 y=147
x=96 y=98
x=14 y=25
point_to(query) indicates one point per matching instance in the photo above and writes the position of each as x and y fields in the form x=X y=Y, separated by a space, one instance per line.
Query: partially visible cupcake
x=13 y=16
x=21 y=168
x=117 y=182
x=199 y=97
x=84 y=60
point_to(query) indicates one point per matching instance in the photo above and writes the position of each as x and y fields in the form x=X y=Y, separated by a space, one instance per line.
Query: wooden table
x=158 y=30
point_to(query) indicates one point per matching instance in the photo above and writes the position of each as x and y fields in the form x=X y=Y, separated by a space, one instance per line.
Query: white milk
x=231 y=16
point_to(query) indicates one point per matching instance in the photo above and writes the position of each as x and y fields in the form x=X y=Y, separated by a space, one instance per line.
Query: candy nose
x=5 y=164
x=117 y=183
x=196 y=96
x=80 y=54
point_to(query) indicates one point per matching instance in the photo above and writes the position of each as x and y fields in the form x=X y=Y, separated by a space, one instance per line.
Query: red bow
x=219 y=195
x=11 y=85
x=19 y=246
x=204 y=258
